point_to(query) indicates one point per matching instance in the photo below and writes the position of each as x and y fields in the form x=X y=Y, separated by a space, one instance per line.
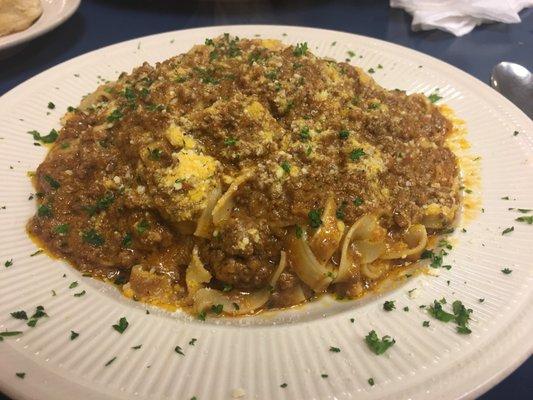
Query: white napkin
x=459 y=17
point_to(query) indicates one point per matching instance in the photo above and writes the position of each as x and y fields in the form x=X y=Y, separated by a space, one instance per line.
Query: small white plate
x=55 y=12
x=259 y=354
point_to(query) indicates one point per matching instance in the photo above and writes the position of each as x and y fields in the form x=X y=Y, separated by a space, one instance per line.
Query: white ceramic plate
x=259 y=354
x=55 y=12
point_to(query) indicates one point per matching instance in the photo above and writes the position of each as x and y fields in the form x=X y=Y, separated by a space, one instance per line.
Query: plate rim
x=500 y=102
x=31 y=32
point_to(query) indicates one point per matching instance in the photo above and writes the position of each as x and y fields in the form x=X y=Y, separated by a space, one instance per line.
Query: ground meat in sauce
x=133 y=167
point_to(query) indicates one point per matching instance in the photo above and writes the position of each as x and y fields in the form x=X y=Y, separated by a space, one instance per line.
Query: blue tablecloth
x=99 y=23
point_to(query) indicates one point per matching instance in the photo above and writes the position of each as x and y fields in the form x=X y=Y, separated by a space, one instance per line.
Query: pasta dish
x=246 y=175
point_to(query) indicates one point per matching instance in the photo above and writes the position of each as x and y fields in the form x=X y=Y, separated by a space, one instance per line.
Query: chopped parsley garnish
x=102 y=203
x=206 y=76
x=461 y=315
x=21 y=375
x=82 y=293
x=378 y=346
x=178 y=350
x=227 y=288
x=142 y=226
x=36 y=253
x=52 y=182
x=110 y=362
x=8 y=263
x=299 y=231
x=61 y=229
x=351 y=53
x=374 y=105
x=527 y=219
x=73 y=285
x=9 y=334
x=155 y=154
x=93 y=238
x=115 y=115
x=121 y=326
x=217 y=309
x=38 y=314
x=324 y=375
x=300 y=49
x=73 y=335
x=481 y=300
x=340 y=213
x=505 y=198
x=406 y=308
x=192 y=341
x=425 y=324
x=380 y=66
x=201 y=315
x=334 y=349
x=50 y=138
x=515 y=133
x=315 y=218
x=356 y=154
x=371 y=381
x=44 y=211
x=283 y=385
x=127 y=240
x=389 y=305
x=507 y=230
x=286 y=167
x=19 y=314
x=343 y=134
x=137 y=347
x=304 y=134
x=51 y=105
x=352 y=320
x=358 y=201
x=371 y=70
x=434 y=97
x=507 y=271
x=230 y=142
x=437 y=312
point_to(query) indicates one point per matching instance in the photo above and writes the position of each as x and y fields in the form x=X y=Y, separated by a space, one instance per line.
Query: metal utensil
x=516 y=83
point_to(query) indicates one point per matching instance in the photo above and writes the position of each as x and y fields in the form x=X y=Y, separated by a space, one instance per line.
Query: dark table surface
x=99 y=23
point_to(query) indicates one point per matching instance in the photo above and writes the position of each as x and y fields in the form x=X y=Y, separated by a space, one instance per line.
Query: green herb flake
x=192 y=341
x=50 y=138
x=507 y=230
x=21 y=375
x=201 y=315
x=137 y=347
x=358 y=201
x=481 y=300
x=371 y=381
x=507 y=271
x=352 y=320
x=425 y=324
x=73 y=335
x=217 y=309
x=351 y=53
x=505 y=198
x=93 y=238
x=389 y=305
x=285 y=166
x=315 y=218
x=300 y=49
x=127 y=240
x=324 y=375
x=36 y=253
x=304 y=134
x=122 y=325
x=52 y=182
x=107 y=364
x=434 y=97
x=343 y=134
x=73 y=285
x=371 y=70
x=515 y=133
x=299 y=231
x=44 y=211
x=142 y=226
x=8 y=263
x=82 y=293
x=437 y=312
x=178 y=350
x=230 y=142
x=406 y=309
x=9 y=333
x=528 y=219
x=356 y=154
x=283 y=385
x=61 y=229
x=115 y=115
x=334 y=349
x=19 y=315
x=376 y=345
